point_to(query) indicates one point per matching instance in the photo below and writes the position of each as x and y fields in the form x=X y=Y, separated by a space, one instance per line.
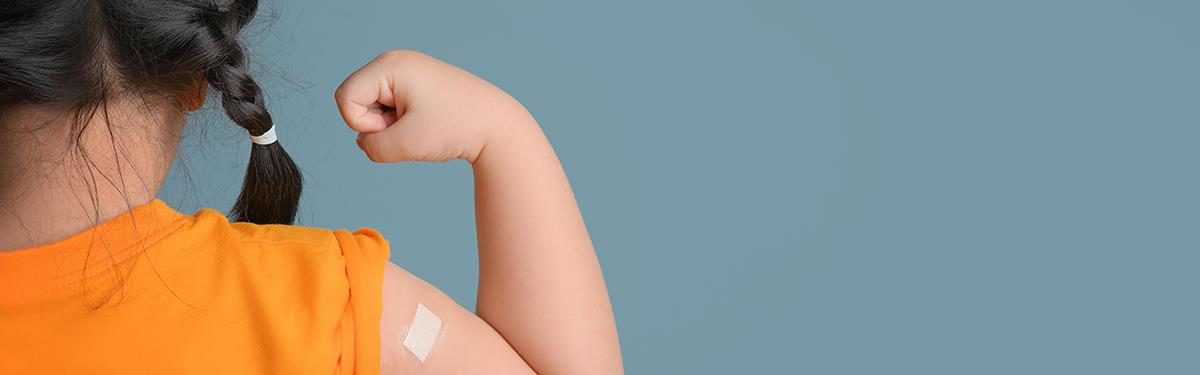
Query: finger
x=381 y=113
x=366 y=97
x=392 y=144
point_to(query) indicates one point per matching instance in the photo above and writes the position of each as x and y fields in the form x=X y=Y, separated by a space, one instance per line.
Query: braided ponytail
x=271 y=191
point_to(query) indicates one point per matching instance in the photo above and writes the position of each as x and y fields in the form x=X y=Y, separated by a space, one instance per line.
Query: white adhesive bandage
x=423 y=332
x=266 y=138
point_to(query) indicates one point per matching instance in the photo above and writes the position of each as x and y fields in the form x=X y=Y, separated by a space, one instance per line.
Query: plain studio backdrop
x=837 y=187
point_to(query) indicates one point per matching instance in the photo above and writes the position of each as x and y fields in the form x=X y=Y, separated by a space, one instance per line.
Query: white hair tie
x=266 y=138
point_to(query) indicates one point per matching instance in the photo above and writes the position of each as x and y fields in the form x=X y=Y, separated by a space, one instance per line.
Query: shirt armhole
x=366 y=253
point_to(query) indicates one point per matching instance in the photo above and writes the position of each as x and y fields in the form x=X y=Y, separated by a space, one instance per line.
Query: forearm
x=540 y=284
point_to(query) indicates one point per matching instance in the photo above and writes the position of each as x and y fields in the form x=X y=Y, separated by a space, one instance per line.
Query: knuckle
x=339 y=93
x=400 y=56
x=342 y=94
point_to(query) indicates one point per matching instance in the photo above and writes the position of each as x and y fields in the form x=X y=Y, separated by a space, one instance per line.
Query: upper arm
x=462 y=343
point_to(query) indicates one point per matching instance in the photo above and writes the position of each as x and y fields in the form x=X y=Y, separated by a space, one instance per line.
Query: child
x=98 y=276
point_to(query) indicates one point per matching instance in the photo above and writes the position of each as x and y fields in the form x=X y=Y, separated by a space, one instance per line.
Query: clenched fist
x=408 y=106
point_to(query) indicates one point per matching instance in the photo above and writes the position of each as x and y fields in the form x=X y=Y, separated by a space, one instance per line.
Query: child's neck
x=52 y=188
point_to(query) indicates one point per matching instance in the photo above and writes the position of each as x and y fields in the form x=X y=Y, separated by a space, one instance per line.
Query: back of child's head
x=77 y=55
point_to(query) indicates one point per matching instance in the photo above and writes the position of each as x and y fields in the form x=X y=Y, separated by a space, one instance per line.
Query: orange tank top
x=155 y=291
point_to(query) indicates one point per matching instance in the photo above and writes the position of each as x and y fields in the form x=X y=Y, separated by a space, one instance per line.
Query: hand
x=408 y=106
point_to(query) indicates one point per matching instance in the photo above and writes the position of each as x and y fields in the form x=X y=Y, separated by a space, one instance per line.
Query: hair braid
x=272 y=187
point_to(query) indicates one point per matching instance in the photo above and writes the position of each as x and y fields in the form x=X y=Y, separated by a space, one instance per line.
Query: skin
x=542 y=304
x=48 y=192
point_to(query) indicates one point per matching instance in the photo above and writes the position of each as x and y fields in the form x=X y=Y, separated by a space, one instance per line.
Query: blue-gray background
x=838 y=187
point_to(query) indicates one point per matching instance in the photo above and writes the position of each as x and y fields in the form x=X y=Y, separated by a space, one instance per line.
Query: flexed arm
x=541 y=293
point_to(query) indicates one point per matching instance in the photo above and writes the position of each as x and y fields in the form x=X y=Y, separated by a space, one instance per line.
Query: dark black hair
x=76 y=54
